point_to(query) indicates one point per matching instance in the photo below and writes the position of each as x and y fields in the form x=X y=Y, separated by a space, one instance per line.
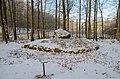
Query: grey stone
x=60 y=33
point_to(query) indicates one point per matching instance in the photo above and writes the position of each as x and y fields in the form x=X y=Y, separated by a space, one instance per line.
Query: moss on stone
x=32 y=47
x=48 y=49
x=39 y=48
x=26 y=46
x=57 y=50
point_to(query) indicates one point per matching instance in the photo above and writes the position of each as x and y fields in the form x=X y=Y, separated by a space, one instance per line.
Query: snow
x=20 y=63
x=44 y=42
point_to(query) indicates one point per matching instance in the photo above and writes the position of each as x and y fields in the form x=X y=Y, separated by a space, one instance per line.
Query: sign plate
x=44 y=59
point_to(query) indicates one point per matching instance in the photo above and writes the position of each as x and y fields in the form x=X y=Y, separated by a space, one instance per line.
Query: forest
x=39 y=18
x=59 y=39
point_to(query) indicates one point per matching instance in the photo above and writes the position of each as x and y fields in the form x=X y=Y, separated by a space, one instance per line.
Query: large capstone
x=60 y=33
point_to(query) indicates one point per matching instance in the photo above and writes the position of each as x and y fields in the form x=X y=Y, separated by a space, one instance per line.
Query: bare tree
x=59 y=14
x=89 y=19
x=69 y=7
x=27 y=19
x=95 y=20
x=10 y=11
x=2 y=6
x=5 y=19
x=38 y=28
x=64 y=15
x=44 y=15
x=13 y=20
x=32 y=21
x=79 y=18
x=42 y=21
x=101 y=12
x=56 y=16
x=118 y=22
x=86 y=18
x=76 y=27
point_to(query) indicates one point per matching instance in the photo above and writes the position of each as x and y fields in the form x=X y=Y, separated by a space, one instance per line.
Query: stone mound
x=57 y=45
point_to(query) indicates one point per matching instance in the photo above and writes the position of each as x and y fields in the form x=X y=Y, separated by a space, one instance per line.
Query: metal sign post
x=43 y=60
x=43 y=69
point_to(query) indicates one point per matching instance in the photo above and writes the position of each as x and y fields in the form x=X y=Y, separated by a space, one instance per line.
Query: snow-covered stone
x=60 y=33
x=72 y=45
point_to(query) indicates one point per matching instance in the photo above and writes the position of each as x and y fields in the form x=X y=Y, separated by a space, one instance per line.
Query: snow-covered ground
x=20 y=63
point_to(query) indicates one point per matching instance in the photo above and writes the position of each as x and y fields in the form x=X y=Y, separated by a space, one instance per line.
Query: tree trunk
x=64 y=15
x=27 y=19
x=42 y=21
x=32 y=21
x=38 y=28
x=82 y=30
x=10 y=11
x=44 y=18
x=5 y=19
x=76 y=27
x=95 y=20
x=102 y=24
x=2 y=6
x=79 y=18
x=101 y=12
x=86 y=19
x=118 y=21
x=68 y=15
x=89 y=20
x=13 y=21
x=56 y=16
x=72 y=27
x=59 y=14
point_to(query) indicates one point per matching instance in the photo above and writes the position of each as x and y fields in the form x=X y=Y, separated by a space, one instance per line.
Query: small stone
x=70 y=52
x=70 y=68
x=48 y=49
x=11 y=63
x=15 y=53
x=32 y=47
x=76 y=52
x=26 y=46
x=39 y=48
x=84 y=70
x=57 y=50
x=113 y=41
x=52 y=74
x=104 y=73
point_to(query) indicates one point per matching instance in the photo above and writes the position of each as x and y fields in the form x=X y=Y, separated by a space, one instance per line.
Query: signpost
x=43 y=60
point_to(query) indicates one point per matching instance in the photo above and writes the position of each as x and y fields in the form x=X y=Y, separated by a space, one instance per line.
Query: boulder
x=60 y=33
